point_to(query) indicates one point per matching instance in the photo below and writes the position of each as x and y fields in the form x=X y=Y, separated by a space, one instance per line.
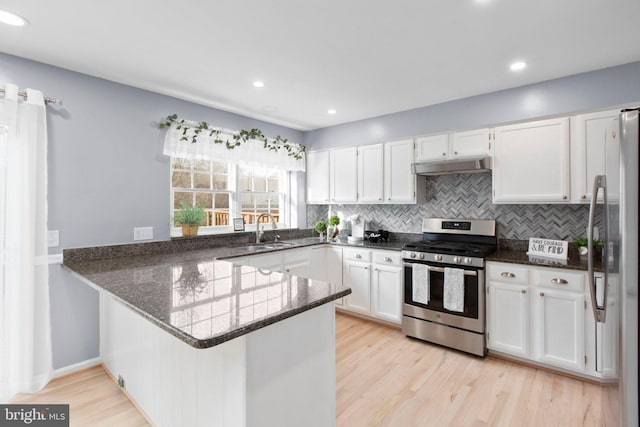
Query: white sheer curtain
x=251 y=153
x=25 y=327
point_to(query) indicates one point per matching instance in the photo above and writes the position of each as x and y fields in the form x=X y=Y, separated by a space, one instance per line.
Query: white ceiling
x=362 y=57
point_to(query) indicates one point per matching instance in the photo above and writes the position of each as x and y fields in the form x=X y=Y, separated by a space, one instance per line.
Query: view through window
x=227 y=191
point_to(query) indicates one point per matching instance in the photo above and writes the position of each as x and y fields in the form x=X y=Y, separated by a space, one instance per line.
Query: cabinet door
x=399 y=181
x=318 y=263
x=344 y=175
x=300 y=269
x=559 y=326
x=269 y=261
x=357 y=276
x=472 y=143
x=508 y=318
x=370 y=173
x=432 y=147
x=318 y=177
x=297 y=262
x=531 y=162
x=590 y=151
x=386 y=289
x=333 y=265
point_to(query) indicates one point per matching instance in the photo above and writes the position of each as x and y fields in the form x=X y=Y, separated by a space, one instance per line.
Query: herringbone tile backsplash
x=467 y=196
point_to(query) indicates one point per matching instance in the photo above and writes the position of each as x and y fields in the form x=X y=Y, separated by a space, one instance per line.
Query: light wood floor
x=387 y=379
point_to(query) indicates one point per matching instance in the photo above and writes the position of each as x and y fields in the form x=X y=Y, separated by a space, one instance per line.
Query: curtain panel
x=251 y=153
x=25 y=328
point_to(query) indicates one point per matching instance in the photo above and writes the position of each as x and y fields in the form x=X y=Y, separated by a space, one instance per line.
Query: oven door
x=472 y=317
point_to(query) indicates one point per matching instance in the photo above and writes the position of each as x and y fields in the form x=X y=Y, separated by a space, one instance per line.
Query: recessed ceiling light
x=331 y=111
x=518 y=65
x=12 y=19
x=258 y=83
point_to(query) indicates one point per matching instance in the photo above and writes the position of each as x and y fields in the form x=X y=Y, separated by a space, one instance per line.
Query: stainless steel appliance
x=615 y=302
x=451 y=250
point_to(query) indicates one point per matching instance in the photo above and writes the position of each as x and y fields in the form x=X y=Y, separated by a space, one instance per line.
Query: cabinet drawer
x=508 y=273
x=360 y=255
x=387 y=258
x=558 y=279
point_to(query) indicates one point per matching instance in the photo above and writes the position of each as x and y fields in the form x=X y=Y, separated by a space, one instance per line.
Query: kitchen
x=103 y=124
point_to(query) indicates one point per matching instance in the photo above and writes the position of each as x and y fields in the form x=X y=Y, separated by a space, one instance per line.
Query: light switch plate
x=53 y=238
x=142 y=233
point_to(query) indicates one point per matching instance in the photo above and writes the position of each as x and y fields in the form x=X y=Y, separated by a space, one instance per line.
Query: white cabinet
x=370 y=173
x=432 y=147
x=318 y=177
x=343 y=175
x=399 y=181
x=297 y=262
x=473 y=143
x=531 y=162
x=386 y=286
x=356 y=274
x=538 y=314
x=595 y=151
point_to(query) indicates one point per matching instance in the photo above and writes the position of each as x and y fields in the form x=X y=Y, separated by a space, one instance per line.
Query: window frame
x=235 y=199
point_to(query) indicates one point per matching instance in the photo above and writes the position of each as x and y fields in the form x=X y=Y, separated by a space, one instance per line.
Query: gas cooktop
x=454 y=248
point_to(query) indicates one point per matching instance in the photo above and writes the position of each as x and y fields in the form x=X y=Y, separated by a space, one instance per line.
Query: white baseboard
x=76 y=367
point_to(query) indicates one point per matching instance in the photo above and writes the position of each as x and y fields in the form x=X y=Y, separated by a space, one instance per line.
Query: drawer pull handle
x=559 y=281
x=524 y=291
x=358 y=256
x=541 y=294
x=387 y=259
x=508 y=274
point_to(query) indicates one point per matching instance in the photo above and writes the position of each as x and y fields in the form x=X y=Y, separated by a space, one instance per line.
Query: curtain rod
x=47 y=100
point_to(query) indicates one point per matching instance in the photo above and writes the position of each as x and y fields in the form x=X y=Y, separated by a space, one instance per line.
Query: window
x=228 y=191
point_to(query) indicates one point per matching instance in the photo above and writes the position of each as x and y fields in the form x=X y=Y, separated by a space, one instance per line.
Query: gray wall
x=588 y=91
x=106 y=176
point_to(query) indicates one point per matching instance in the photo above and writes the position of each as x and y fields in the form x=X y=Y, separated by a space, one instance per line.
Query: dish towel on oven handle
x=420 y=285
x=454 y=289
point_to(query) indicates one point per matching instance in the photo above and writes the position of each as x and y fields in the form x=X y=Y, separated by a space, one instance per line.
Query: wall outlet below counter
x=142 y=233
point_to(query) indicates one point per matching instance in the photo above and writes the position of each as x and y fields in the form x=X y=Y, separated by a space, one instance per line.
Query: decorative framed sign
x=238 y=224
x=558 y=249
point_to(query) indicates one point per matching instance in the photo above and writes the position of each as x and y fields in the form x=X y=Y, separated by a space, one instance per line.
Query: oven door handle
x=441 y=269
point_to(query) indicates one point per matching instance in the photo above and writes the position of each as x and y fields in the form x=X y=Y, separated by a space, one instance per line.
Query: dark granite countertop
x=201 y=299
x=519 y=256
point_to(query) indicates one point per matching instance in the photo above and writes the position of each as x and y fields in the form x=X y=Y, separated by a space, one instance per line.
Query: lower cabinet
x=375 y=279
x=539 y=314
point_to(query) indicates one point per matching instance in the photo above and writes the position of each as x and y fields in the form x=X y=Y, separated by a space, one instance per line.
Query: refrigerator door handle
x=599 y=311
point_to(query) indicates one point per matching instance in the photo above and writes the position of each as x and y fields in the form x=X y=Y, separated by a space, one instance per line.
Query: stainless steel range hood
x=445 y=167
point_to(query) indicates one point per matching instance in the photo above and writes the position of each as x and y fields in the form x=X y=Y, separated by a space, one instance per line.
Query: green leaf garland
x=278 y=143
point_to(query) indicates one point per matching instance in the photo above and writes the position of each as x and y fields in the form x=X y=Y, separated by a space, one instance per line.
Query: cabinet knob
x=455 y=152
x=444 y=154
x=366 y=268
x=508 y=274
x=387 y=259
x=564 y=197
x=524 y=291
x=287 y=270
x=380 y=199
x=541 y=294
x=358 y=256
x=584 y=196
x=559 y=281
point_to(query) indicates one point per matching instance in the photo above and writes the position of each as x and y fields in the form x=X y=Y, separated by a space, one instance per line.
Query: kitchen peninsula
x=196 y=340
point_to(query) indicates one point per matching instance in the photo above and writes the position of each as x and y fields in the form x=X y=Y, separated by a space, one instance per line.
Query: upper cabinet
x=370 y=177
x=472 y=143
x=318 y=177
x=343 y=175
x=531 y=162
x=368 y=174
x=399 y=181
x=595 y=150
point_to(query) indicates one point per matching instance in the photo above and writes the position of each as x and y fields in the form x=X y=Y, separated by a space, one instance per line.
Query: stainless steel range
x=444 y=283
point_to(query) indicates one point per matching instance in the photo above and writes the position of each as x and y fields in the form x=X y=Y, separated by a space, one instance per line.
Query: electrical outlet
x=120 y=381
x=53 y=238
x=142 y=233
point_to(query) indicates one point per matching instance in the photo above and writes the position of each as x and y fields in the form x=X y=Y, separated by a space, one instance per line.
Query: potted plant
x=583 y=245
x=190 y=218
x=321 y=227
x=334 y=220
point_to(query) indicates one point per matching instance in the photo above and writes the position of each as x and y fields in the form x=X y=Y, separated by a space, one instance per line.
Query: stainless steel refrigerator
x=614 y=210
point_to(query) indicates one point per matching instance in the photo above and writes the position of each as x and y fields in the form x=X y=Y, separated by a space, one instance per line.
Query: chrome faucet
x=259 y=232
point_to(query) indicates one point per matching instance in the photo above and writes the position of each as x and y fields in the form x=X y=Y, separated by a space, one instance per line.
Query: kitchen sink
x=269 y=245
